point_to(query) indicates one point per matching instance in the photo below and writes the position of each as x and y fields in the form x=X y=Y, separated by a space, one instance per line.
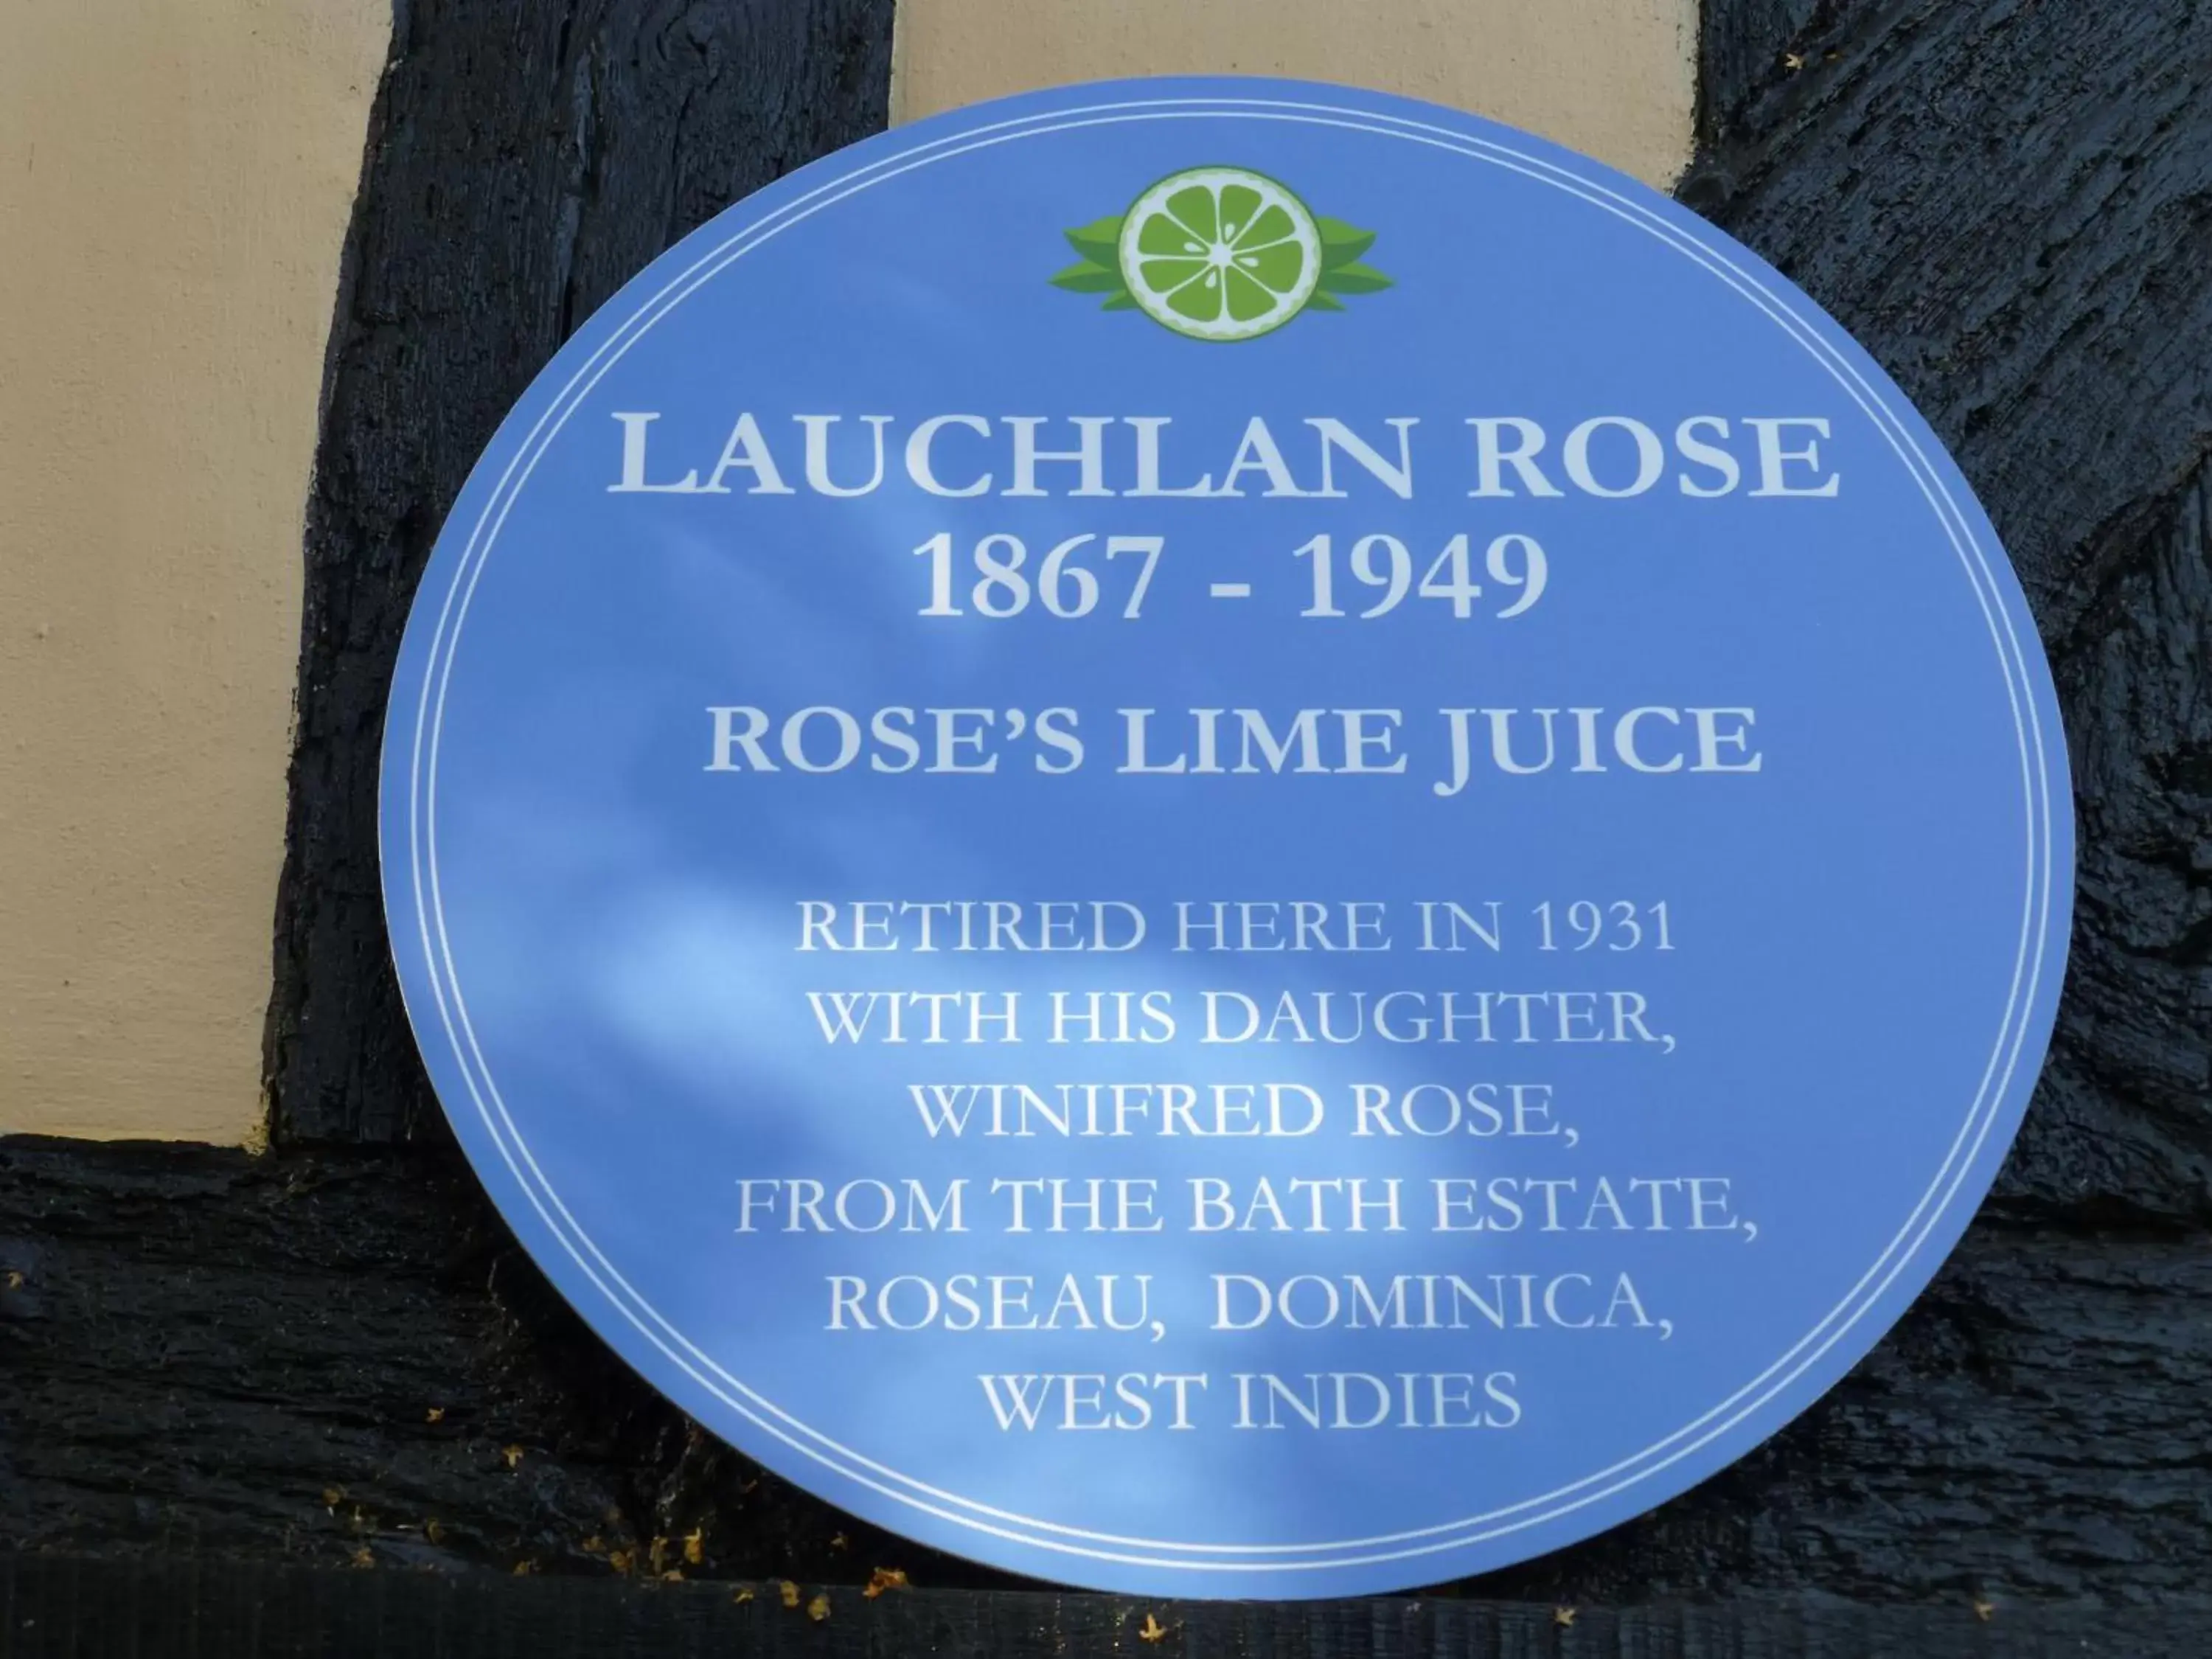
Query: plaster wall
x=175 y=179
x=1616 y=79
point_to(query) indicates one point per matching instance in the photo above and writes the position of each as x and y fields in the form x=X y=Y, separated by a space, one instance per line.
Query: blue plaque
x=1226 y=838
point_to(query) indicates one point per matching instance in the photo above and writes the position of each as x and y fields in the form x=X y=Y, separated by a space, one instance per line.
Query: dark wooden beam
x=61 y=1609
x=326 y=1358
x=1743 y=46
x=2010 y=205
x=524 y=163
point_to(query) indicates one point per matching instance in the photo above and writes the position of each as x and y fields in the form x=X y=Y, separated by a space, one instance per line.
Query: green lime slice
x=1219 y=253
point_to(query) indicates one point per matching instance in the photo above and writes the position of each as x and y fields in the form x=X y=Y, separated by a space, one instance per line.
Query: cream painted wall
x=175 y=178
x=1614 y=78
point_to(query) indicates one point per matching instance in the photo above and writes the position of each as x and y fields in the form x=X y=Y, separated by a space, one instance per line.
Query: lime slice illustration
x=1219 y=253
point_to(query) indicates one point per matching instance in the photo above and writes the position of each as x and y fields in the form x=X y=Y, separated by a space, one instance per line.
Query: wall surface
x=241 y=1382
x=174 y=186
x=1615 y=79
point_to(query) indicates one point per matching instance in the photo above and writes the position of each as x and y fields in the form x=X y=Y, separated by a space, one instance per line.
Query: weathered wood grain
x=2010 y=204
x=61 y=1608
x=205 y=1345
x=1743 y=45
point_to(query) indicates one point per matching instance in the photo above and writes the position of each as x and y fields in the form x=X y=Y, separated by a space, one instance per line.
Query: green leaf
x=1084 y=277
x=1321 y=301
x=1099 y=241
x=1354 y=279
x=1124 y=301
x=1340 y=243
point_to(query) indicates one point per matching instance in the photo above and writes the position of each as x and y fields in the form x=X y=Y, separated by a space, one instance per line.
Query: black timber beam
x=54 y=1607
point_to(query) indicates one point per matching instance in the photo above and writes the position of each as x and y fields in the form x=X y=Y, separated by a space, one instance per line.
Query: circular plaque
x=1226 y=838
